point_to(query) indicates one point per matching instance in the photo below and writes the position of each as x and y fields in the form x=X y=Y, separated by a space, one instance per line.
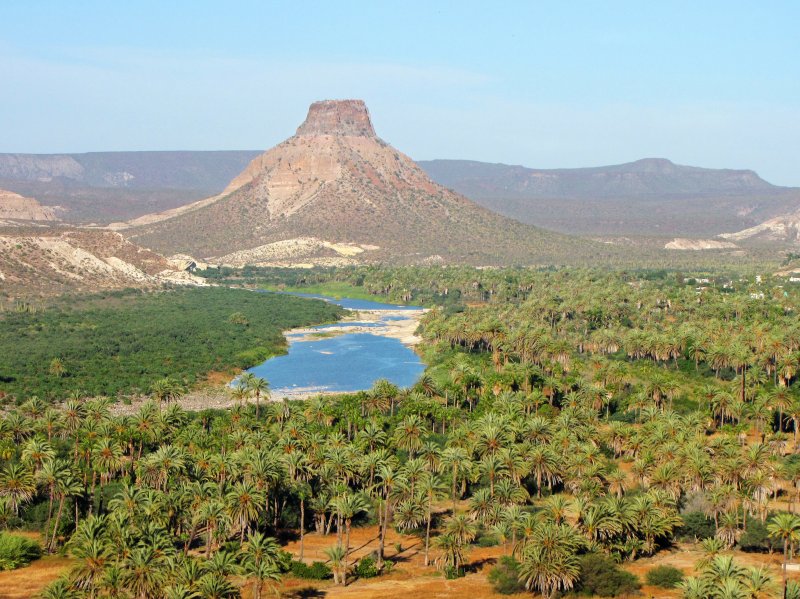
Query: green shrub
x=316 y=571
x=696 y=526
x=487 y=540
x=366 y=568
x=756 y=537
x=601 y=576
x=665 y=577
x=16 y=551
x=504 y=577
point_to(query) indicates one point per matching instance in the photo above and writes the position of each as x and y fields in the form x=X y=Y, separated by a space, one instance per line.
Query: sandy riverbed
x=403 y=328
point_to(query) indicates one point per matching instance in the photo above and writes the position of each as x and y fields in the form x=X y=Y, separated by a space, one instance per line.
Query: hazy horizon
x=715 y=86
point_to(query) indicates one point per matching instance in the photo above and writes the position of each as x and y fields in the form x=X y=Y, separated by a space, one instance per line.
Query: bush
x=16 y=551
x=504 y=577
x=756 y=537
x=601 y=576
x=665 y=577
x=366 y=568
x=696 y=526
x=487 y=540
x=316 y=571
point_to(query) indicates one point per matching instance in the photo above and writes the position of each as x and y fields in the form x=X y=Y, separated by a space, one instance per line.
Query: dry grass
x=28 y=582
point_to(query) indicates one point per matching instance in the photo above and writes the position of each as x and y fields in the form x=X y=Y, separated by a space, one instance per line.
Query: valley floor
x=409 y=578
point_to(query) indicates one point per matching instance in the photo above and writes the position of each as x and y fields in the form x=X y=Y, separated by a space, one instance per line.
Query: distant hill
x=335 y=193
x=648 y=197
x=107 y=186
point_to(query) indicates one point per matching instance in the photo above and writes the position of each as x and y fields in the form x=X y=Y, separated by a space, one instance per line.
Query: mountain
x=648 y=197
x=48 y=260
x=16 y=207
x=782 y=229
x=106 y=186
x=335 y=193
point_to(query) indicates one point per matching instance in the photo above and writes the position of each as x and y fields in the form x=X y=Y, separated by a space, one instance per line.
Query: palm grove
x=567 y=414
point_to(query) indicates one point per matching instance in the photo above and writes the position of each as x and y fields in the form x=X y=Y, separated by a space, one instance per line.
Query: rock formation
x=335 y=193
x=782 y=229
x=338 y=117
x=16 y=207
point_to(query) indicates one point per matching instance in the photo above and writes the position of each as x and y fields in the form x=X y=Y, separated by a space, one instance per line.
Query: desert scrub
x=504 y=577
x=665 y=577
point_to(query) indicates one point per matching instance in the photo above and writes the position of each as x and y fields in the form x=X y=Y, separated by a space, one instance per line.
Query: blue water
x=343 y=363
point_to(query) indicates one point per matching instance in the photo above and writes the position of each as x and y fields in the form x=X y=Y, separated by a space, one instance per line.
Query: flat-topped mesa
x=338 y=117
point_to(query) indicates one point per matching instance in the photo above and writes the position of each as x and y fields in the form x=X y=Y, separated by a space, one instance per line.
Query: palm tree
x=143 y=571
x=260 y=561
x=260 y=388
x=785 y=527
x=549 y=562
x=456 y=460
x=409 y=433
x=336 y=555
x=18 y=484
x=543 y=463
x=348 y=506
x=244 y=501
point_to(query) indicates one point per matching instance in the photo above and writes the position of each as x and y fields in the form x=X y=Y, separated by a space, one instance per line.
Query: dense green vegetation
x=123 y=342
x=577 y=419
x=666 y=577
x=17 y=551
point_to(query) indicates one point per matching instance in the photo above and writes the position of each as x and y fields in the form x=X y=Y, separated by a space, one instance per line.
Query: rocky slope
x=647 y=197
x=336 y=193
x=41 y=261
x=782 y=229
x=16 y=207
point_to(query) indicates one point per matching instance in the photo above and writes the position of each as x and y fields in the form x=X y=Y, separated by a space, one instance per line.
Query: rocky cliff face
x=16 y=207
x=338 y=117
x=336 y=193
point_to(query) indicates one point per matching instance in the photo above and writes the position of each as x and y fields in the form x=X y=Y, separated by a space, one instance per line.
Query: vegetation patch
x=17 y=551
x=666 y=577
x=124 y=342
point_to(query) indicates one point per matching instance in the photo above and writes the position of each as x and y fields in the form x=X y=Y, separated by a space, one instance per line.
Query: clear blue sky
x=545 y=84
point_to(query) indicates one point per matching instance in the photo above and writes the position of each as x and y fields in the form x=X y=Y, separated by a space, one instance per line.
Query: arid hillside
x=45 y=260
x=336 y=193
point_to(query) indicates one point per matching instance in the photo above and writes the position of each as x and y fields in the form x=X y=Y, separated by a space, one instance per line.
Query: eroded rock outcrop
x=338 y=117
x=16 y=207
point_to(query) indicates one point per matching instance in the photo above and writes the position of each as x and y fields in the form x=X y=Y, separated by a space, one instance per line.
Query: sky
x=544 y=84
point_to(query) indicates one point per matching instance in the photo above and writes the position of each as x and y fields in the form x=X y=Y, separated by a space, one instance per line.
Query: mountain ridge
x=644 y=197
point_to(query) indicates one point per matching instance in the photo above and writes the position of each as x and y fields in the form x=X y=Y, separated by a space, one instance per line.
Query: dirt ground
x=28 y=582
x=409 y=577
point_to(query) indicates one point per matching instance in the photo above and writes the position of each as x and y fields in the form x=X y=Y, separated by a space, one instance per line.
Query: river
x=373 y=342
